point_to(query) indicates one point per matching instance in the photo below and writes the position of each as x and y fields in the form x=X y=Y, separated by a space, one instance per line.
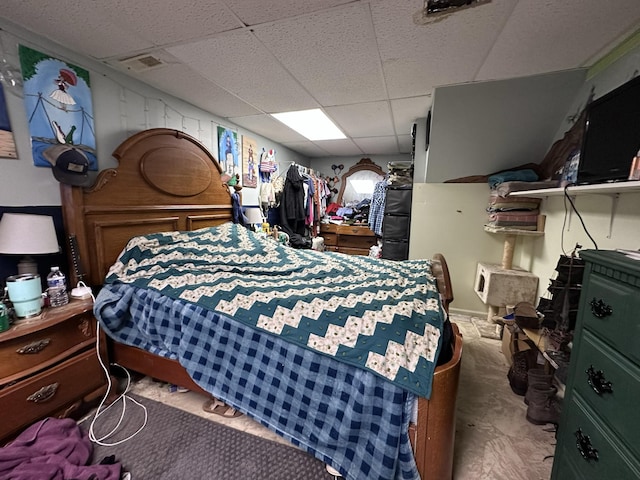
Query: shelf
x=599 y=188
x=512 y=231
x=613 y=190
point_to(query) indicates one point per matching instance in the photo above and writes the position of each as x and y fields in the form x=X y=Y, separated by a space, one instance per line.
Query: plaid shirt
x=376 y=212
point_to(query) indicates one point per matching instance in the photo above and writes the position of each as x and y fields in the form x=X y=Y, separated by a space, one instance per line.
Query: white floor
x=494 y=441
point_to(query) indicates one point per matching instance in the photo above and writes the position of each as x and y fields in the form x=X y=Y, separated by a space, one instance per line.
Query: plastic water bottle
x=57 y=288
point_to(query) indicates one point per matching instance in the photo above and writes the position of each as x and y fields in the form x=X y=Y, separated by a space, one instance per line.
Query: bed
x=167 y=181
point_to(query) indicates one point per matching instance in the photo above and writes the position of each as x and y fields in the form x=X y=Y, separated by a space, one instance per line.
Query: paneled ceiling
x=371 y=65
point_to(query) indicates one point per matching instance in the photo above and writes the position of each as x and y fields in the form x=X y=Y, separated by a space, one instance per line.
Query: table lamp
x=27 y=234
x=254 y=216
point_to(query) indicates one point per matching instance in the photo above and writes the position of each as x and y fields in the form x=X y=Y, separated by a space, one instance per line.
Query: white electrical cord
x=123 y=396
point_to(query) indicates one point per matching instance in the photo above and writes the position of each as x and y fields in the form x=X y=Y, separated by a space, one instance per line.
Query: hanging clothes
x=292 y=209
x=236 y=210
x=376 y=211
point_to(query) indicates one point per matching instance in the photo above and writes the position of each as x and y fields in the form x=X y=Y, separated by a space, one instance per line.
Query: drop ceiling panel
x=253 y=12
x=255 y=75
x=363 y=119
x=93 y=34
x=169 y=22
x=189 y=85
x=562 y=35
x=407 y=110
x=269 y=127
x=339 y=147
x=418 y=57
x=309 y=149
x=333 y=54
x=377 y=145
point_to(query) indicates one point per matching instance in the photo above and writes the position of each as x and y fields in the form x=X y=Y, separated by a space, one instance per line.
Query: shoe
x=543 y=407
x=333 y=471
x=526 y=316
x=213 y=405
x=537 y=376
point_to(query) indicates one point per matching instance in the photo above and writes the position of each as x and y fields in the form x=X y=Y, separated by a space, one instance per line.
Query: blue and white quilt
x=349 y=418
x=381 y=316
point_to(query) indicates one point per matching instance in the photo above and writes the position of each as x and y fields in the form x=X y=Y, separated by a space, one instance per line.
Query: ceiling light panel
x=312 y=124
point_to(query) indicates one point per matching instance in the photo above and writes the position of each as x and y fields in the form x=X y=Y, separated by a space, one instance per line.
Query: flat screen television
x=612 y=135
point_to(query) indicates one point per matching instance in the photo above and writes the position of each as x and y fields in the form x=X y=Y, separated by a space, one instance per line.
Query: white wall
x=449 y=217
x=122 y=107
x=484 y=127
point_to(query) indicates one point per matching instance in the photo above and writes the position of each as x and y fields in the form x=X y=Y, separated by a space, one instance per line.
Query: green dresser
x=599 y=432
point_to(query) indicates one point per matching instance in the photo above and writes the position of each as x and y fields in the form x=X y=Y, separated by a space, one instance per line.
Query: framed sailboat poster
x=57 y=98
x=7 y=143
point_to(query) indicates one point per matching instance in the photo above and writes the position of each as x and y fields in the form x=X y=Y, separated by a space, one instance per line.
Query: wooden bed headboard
x=166 y=180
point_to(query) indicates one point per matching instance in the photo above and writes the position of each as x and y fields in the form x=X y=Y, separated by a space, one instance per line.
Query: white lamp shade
x=27 y=234
x=254 y=215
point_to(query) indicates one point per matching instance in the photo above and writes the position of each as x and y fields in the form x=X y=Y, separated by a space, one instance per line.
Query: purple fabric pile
x=53 y=449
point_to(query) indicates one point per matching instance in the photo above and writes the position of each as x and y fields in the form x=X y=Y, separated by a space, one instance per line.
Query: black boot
x=543 y=406
x=537 y=376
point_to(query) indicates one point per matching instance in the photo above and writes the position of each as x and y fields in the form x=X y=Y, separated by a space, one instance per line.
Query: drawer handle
x=583 y=443
x=597 y=382
x=44 y=394
x=34 y=347
x=600 y=309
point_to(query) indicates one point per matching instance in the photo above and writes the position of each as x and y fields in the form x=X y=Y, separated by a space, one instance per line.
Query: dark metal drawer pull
x=34 y=347
x=600 y=309
x=583 y=443
x=44 y=394
x=597 y=382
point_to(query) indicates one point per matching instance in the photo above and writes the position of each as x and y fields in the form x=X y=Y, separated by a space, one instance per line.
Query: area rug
x=487 y=329
x=176 y=444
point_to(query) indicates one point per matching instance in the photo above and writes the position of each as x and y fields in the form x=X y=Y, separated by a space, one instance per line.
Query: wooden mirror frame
x=365 y=164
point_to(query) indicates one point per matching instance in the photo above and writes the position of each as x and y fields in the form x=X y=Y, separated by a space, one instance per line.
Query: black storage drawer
x=398 y=200
x=395 y=249
x=396 y=227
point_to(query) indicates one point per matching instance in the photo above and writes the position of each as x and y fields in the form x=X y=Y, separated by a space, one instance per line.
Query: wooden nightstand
x=48 y=366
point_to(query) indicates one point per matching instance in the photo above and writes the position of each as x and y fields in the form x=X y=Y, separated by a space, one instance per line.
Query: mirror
x=359 y=181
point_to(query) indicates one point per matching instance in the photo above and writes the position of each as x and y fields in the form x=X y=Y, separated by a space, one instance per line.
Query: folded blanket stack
x=520 y=213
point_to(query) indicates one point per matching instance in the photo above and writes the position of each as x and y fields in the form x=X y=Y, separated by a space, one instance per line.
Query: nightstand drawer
x=588 y=436
x=27 y=354
x=610 y=308
x=605 y=369
x=47 y=393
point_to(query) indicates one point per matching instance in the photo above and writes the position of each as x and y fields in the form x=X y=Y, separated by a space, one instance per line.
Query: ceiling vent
x=142 y=63
x=436 y=10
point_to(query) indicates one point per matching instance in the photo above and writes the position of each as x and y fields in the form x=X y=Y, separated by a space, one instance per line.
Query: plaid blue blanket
x=347 y=417
x=382 y=316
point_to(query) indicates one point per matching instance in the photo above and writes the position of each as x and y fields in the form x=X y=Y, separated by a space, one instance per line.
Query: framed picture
x=57 y=98
x=249 y=154
x=7 y=142
x=228 y=153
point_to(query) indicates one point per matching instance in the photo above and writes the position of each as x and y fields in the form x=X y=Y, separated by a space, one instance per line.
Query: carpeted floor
x=176 y=444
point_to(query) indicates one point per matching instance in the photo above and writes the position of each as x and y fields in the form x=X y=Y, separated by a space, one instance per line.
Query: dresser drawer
x=30 y=353
x=355 y=231
x=610 y=310
x=611 y=462
x=593 y=358
x=351 y=241
x=354 y=251
x=398 y=201
x=330 y=238
x=47 y=393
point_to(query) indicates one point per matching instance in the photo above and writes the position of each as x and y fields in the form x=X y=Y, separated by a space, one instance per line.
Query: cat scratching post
x=507 y=251
x=504 y=284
